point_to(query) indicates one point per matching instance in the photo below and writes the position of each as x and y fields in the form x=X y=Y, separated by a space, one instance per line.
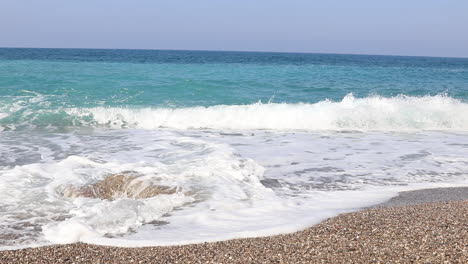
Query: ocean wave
x=399 y=113
x=372 y=113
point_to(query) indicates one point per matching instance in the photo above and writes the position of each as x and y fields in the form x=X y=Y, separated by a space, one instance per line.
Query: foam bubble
x=69 y=231
x=96 y=218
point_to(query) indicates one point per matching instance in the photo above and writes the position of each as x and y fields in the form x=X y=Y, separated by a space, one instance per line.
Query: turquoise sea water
x=175 y=79
x=251 y=141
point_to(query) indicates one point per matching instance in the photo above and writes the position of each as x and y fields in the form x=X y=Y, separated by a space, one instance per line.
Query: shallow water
x=250 y=143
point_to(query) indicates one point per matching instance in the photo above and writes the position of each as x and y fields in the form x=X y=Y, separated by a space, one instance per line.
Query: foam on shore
x=432 y=232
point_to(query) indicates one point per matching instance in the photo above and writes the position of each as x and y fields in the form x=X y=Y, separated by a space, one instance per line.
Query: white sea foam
x=208 y=173
x=229 y=185
x=399 y=113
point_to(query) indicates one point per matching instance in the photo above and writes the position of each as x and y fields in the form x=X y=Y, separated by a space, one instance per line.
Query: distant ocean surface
x=242 y=144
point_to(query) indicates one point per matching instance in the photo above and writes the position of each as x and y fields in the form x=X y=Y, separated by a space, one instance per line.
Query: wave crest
x=438 y=112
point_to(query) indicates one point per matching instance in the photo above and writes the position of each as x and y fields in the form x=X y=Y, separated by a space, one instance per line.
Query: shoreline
x=422 y=196
x=427 y=225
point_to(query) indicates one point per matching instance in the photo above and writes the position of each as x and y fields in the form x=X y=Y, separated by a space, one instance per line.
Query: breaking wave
x=371 y=113
x=400 y=113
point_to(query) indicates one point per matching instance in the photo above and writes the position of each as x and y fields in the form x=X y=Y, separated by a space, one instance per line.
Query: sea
x=242 y=144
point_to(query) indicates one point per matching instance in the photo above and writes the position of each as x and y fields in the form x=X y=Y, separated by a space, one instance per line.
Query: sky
x=392 y=27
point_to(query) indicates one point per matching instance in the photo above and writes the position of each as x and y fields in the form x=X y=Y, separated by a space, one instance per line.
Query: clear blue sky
x=395 y=27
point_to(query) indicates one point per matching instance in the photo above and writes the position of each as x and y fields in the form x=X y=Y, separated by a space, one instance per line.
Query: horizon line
x=246 y=51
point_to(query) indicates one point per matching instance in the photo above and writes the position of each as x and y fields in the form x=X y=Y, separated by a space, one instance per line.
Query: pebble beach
x=400 y=231
x=196 y=156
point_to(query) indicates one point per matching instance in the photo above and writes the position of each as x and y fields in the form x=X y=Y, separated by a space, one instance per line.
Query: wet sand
x=424 y=226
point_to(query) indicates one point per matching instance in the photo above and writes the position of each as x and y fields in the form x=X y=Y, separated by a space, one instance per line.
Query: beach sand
x=425 y=226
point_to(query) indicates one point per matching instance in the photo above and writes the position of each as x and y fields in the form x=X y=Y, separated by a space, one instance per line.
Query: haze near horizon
x=416 y=28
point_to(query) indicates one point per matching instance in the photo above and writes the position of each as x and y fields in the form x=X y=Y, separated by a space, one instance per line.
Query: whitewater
x=192 y=147
x=400 y=113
